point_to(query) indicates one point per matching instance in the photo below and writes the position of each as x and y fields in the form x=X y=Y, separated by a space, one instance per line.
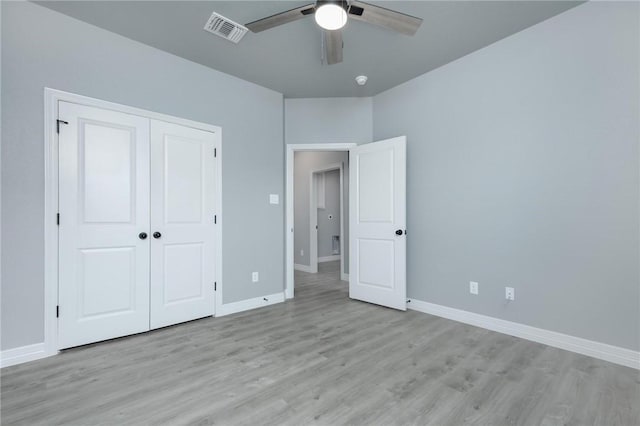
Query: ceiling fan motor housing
x=342 y=3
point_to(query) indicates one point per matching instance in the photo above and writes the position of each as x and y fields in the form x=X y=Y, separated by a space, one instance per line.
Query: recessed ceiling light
x=361 y=80
x=331 y=16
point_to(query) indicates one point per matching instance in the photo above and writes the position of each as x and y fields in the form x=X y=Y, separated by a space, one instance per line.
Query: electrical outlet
x=473 y=287
x=301 y=252
x=255 y=277
x=274 y=199
x=510 y=293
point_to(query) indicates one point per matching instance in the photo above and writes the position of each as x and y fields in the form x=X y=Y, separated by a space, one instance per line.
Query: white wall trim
x=248 y=304
x=329 y=258
x=22 y=354
x=303 y=268
x=219 y=221
x=615 y=354
x=291 y=149
x=51 y=99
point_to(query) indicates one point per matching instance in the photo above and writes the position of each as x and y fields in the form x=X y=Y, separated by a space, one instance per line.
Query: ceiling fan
x=333 y=15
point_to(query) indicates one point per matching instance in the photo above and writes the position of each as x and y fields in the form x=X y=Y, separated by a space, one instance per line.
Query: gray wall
x=523 y=171
x=327 y=228
x=43 y=48
x=304 y=163
x=325 y=120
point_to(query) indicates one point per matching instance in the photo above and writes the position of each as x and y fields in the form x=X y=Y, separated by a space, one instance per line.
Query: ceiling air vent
x=225 y=28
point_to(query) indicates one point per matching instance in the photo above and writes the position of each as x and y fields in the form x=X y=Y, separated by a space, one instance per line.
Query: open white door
x=183 y=173
x=377 y=206
x=104 y=221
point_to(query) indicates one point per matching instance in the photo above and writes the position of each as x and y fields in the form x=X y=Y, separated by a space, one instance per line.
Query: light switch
x=274 y=199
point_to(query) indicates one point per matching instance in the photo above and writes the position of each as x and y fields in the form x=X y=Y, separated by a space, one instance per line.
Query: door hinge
x=215 y=152
x=58 y=124
x=215 y=286
x=58 y=219
x=58 y=311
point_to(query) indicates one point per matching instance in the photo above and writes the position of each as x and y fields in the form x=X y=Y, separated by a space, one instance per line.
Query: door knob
x=399 y=232
x=142 y=235
x=157 y=235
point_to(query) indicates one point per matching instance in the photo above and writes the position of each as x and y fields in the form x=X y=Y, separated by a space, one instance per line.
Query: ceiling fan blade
x=333 y=46
x=400 y=22
x=281 y=18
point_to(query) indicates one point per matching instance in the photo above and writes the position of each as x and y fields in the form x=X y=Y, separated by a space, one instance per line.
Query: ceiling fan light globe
x=331 y=17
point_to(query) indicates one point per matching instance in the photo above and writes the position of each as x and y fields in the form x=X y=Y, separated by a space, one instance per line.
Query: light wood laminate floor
x=321 y=359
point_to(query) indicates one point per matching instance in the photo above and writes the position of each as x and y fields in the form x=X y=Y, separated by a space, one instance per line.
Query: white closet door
x=377 y=202
x=104 y=207
x=182 y=223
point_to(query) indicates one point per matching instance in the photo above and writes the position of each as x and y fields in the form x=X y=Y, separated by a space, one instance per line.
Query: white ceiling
x=287 y=58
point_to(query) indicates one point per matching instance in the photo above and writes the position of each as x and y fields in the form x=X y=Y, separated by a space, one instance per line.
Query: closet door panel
x=182 y=223
x=104 y=206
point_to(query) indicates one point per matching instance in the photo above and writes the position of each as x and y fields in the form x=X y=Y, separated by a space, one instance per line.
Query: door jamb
x=291 y=149
x=51 y=99
x=313 y=214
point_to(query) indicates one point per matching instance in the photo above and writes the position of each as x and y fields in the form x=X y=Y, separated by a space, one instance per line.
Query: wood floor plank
x=320 y=359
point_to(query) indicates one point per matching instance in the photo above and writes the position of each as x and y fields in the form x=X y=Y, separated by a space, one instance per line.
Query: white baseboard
x=329 y=258
x=615 y=354
x=344 y=277
x=22 y=354
x=303 y=268
x=245 y=305
x=288 y=293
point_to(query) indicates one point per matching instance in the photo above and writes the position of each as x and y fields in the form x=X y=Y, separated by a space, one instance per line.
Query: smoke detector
x=225 y=28
x=361 y=80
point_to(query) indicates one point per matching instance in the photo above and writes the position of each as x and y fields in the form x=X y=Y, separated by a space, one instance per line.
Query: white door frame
x=291 y=149
x=51 y=99
x=313 y=217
